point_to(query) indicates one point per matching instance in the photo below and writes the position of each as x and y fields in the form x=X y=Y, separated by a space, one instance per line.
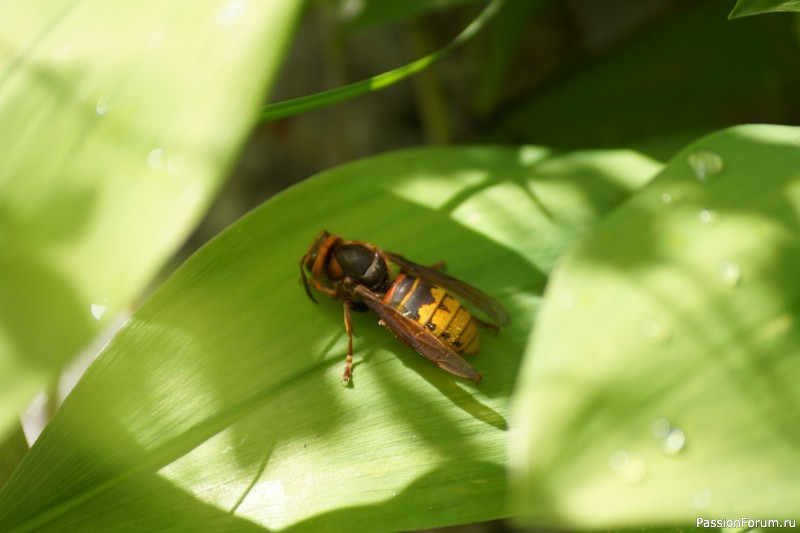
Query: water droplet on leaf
x=705 y=164
x=707 y=216
x=631 y=468
x=654 y=331
x=231 y=12
x=102 y=106
x=98 y=310
x=702 y=499
x=618 y=460
x=661 y=428
x=674 y=442
x=155 y=159
x=730 y=273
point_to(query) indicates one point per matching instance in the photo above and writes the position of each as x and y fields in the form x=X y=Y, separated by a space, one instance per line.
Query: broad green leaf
x=744 y=8
x=662 y=382
x=221 y=401
x=118 y=122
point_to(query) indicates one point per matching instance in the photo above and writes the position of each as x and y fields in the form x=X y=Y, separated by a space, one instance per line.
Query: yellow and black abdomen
x=436 y=310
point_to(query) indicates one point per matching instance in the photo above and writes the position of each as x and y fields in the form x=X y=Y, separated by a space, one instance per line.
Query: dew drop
x=618 y=460
x=231 y=12
x=707 y=216
x=702 y=499
x=155 y=159
x=730 y=273
x=631 y=468
x=671 y=198
x=705 y=164
x=102 y=106
x=98 y=310
x=672 y=439
x=655 y=332
x=661 y=428
x=674 y=442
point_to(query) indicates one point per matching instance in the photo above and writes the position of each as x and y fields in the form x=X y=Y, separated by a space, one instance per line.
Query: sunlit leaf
x=220 y=401
x=118 y=122
x=662 y=383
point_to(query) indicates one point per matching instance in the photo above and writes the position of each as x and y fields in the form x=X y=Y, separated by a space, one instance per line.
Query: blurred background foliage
x=568 y=74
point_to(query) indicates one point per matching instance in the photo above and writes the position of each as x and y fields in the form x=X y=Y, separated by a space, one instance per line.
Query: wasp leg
x=348 y=326
x=333 y=293
x=485 y=324
x=438 y=265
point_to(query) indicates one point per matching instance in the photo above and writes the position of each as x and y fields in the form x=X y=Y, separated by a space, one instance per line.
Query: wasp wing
x=417 y=337
x=480 y=299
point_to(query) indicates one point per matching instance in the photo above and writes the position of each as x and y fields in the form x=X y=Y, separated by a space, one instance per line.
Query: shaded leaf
x=661 y=383
x=12 y=450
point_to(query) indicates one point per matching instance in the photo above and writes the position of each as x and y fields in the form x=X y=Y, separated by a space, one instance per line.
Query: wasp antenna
x=305 y=280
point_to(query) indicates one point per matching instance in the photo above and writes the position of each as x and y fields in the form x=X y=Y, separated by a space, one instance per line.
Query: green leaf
x=661 y=383
x=310 y=102
x=12 y=449
x=221 y=401
x=119 y=122
x=744 y=8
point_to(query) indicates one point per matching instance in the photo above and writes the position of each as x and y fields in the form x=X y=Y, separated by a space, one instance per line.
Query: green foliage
x=693 y=73
x=744 y=8
x=657 y=385
x=678 y=314
x=225 y=385
x=12 y=450
x=315 y=101
x=113 y=142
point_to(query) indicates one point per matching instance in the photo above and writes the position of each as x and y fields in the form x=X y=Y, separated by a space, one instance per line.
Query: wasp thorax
x=362 y=265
